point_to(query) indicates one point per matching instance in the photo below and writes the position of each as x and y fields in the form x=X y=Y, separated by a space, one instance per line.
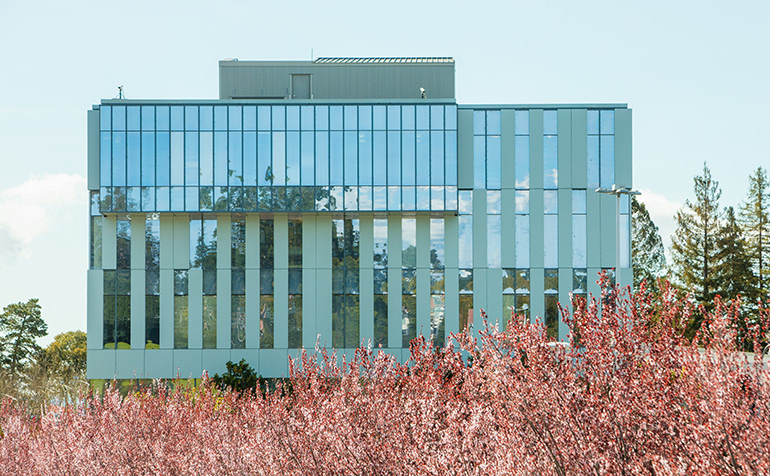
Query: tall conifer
x=694 y=244
x=755 y=221
x=648 y=258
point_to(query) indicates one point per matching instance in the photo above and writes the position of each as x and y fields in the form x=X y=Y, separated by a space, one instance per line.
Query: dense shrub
x=631 y=397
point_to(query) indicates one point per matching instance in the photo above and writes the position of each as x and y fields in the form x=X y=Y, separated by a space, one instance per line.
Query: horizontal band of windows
x=258 y=199
x=278 y=117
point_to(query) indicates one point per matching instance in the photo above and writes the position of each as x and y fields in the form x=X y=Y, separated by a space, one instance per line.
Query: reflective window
x=607 y=161
x=380 y=243
x=177 y=118
x=345 y=283
x=521 y=162
x=181 y=320
x=551 y=240
x=437 y=259
x=133 y=162
x=292 y=118
x=550 y=202
x=552 y=303
x=206 y=118
x=592 y=159
x=118 y=118
x=494 y=241
x=550 y=162
x=578 y=201
x=409 y=243
x=465 y=240
x=163 y=159
x=607 y=122
x=579 y=281
x=601 y=148
x=105 y=118
x=479 y=161
x=177 y=158
x=521 y=202
x=579 y=240
x=522 y=241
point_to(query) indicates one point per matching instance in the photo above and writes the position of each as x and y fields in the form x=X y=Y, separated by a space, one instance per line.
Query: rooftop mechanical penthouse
x=339 y=201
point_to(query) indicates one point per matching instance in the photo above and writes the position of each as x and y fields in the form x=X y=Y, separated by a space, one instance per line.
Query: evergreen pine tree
x=733 y=268
x=648 y=258
x=755 y=221
x=20 y=326
x=734 y=277
x=694 y=244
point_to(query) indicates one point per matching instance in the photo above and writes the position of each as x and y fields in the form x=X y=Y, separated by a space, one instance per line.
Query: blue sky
x=694 y=73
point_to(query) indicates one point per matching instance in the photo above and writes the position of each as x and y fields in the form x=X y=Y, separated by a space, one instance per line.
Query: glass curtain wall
x=200 y=158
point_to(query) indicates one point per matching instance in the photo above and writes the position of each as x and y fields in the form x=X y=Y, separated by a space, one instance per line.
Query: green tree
x=20 y=327
x=239 y=377
x=694 y=244
x=733 y=267
x=733 y=274
x=755 y=221
x=58 y=374
x=648 y=258
x=66 y=355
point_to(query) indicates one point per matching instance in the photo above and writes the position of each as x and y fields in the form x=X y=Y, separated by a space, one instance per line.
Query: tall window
x=295 y=282
x=238 y=282
x=579 y=229
x=181 y=321
x=117 y=291
x=408 y=280
x=601 y=148
x=552 y=303
x=521 y=149
x=516 y=294
x=521 y=204
x=494 y=230
x=465 y=245
x=486 y=150
x=266 y=281
x=152 y=281
x=550 y=150
x=345 y=283
x=437 y=278
x=381 y=282
x=203 y=255
x=551 y=228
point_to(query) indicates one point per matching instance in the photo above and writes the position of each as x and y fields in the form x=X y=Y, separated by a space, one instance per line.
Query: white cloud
x=27 y=210
x=662 y=211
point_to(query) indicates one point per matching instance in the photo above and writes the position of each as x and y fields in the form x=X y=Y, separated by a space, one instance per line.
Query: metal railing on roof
x=373 y=60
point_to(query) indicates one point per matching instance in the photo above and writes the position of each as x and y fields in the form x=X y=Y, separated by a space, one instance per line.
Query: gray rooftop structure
x=339 y=78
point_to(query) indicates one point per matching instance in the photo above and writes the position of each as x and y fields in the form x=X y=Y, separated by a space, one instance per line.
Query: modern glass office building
x=337 y=202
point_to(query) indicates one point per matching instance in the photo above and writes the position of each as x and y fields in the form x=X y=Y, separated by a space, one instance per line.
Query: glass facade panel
x=291 y=148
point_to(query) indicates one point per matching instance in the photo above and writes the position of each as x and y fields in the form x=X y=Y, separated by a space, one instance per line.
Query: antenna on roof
x=312 y=57
x=120 y=93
